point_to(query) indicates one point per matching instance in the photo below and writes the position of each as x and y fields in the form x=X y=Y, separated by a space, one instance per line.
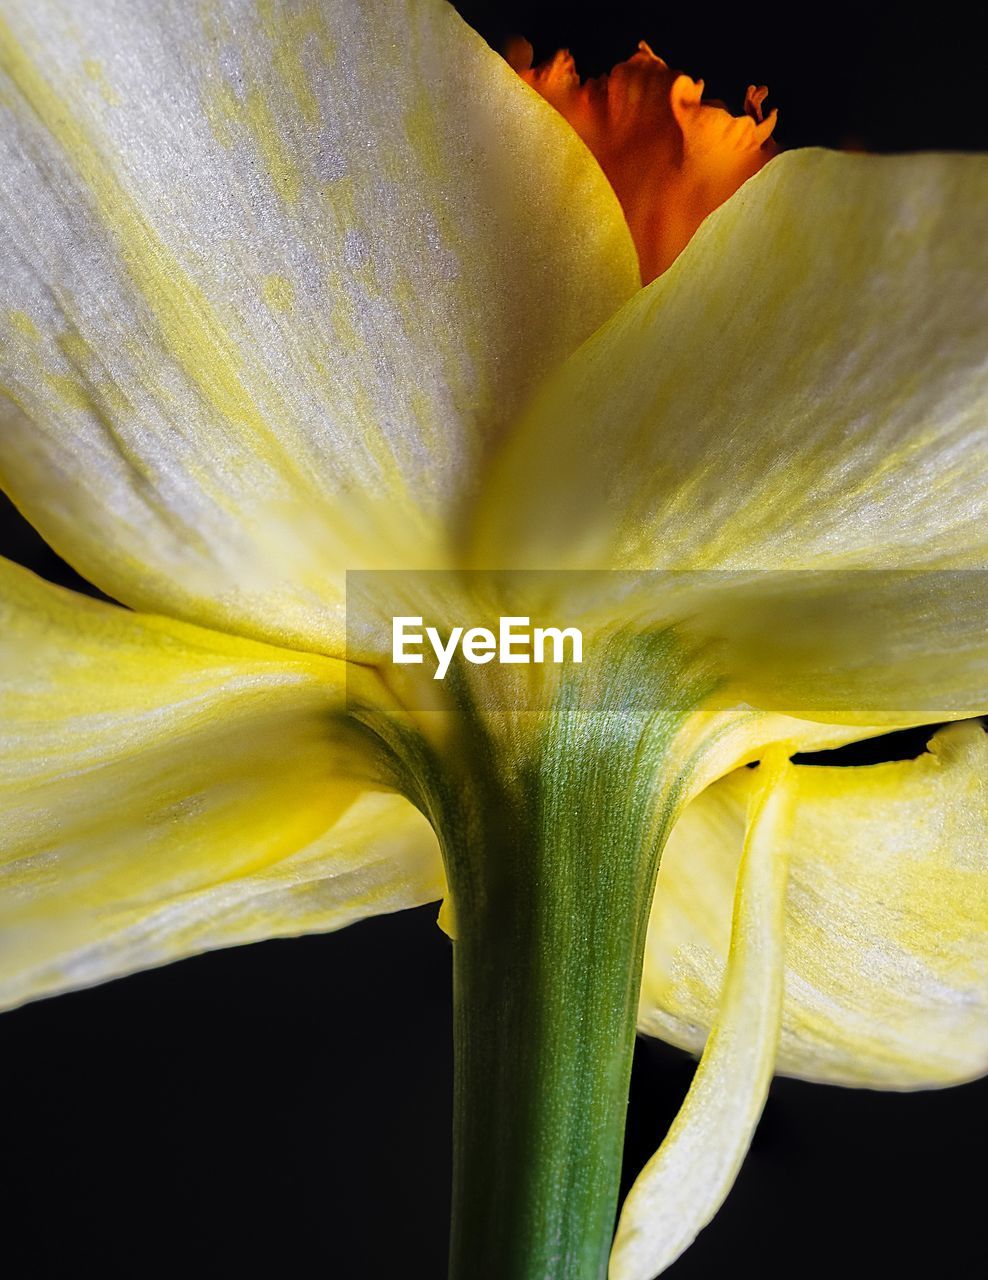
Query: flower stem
x=546 y=989
x=552 y=854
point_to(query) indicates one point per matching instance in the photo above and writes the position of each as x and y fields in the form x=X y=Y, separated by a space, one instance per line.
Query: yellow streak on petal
x=187 y=323
x=69 y=391
x=224 y=109
x=221 y=107
x=23 y=323
x=74 y=347
x=279 y=293
x=289 y=35
x=284 y=172
x=95 y=71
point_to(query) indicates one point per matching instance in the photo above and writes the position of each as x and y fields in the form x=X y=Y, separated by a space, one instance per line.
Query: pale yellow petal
x=686 y=1181
x=886 y=926
x=166 y=789
x=899 y=646
x=804 y=389
x=275 y=277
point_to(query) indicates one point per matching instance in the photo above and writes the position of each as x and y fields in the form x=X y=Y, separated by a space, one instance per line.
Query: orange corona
x=670 y=157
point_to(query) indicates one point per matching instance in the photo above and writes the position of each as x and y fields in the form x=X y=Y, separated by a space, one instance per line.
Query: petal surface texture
x=276 y=276
x=805 y=388
x=167 y=790
x=886 y=919
x=687 y=1180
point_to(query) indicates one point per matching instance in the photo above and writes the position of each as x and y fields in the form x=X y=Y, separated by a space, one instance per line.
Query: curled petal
x=688 y=1178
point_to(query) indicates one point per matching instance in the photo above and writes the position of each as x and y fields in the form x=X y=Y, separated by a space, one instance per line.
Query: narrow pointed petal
x=804 y=389
x=886 y=921
x=275 y=277
x=686 y=1181
x=167 y=789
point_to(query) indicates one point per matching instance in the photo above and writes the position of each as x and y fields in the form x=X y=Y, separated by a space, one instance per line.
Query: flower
x=295 y=291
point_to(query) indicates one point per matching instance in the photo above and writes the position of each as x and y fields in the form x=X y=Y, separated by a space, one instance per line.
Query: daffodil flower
x=296 y=289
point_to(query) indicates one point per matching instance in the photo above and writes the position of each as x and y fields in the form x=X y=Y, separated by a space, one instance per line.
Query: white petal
x=275 y=278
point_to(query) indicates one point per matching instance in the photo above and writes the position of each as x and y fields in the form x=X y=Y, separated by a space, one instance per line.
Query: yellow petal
x=903 y=646
x=167 y=789
x=275 y=277
x=805 y=388
x=688 y=1178
x=886 y=925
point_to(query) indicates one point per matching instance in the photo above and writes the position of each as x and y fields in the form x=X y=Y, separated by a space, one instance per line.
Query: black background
x=284 y=1108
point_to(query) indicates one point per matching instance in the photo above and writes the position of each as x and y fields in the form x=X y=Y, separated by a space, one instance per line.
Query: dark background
x=284 y=1108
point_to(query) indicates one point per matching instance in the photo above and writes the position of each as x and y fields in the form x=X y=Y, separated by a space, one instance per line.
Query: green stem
x=546 y=991
x=552 y=803
x=552 y=852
